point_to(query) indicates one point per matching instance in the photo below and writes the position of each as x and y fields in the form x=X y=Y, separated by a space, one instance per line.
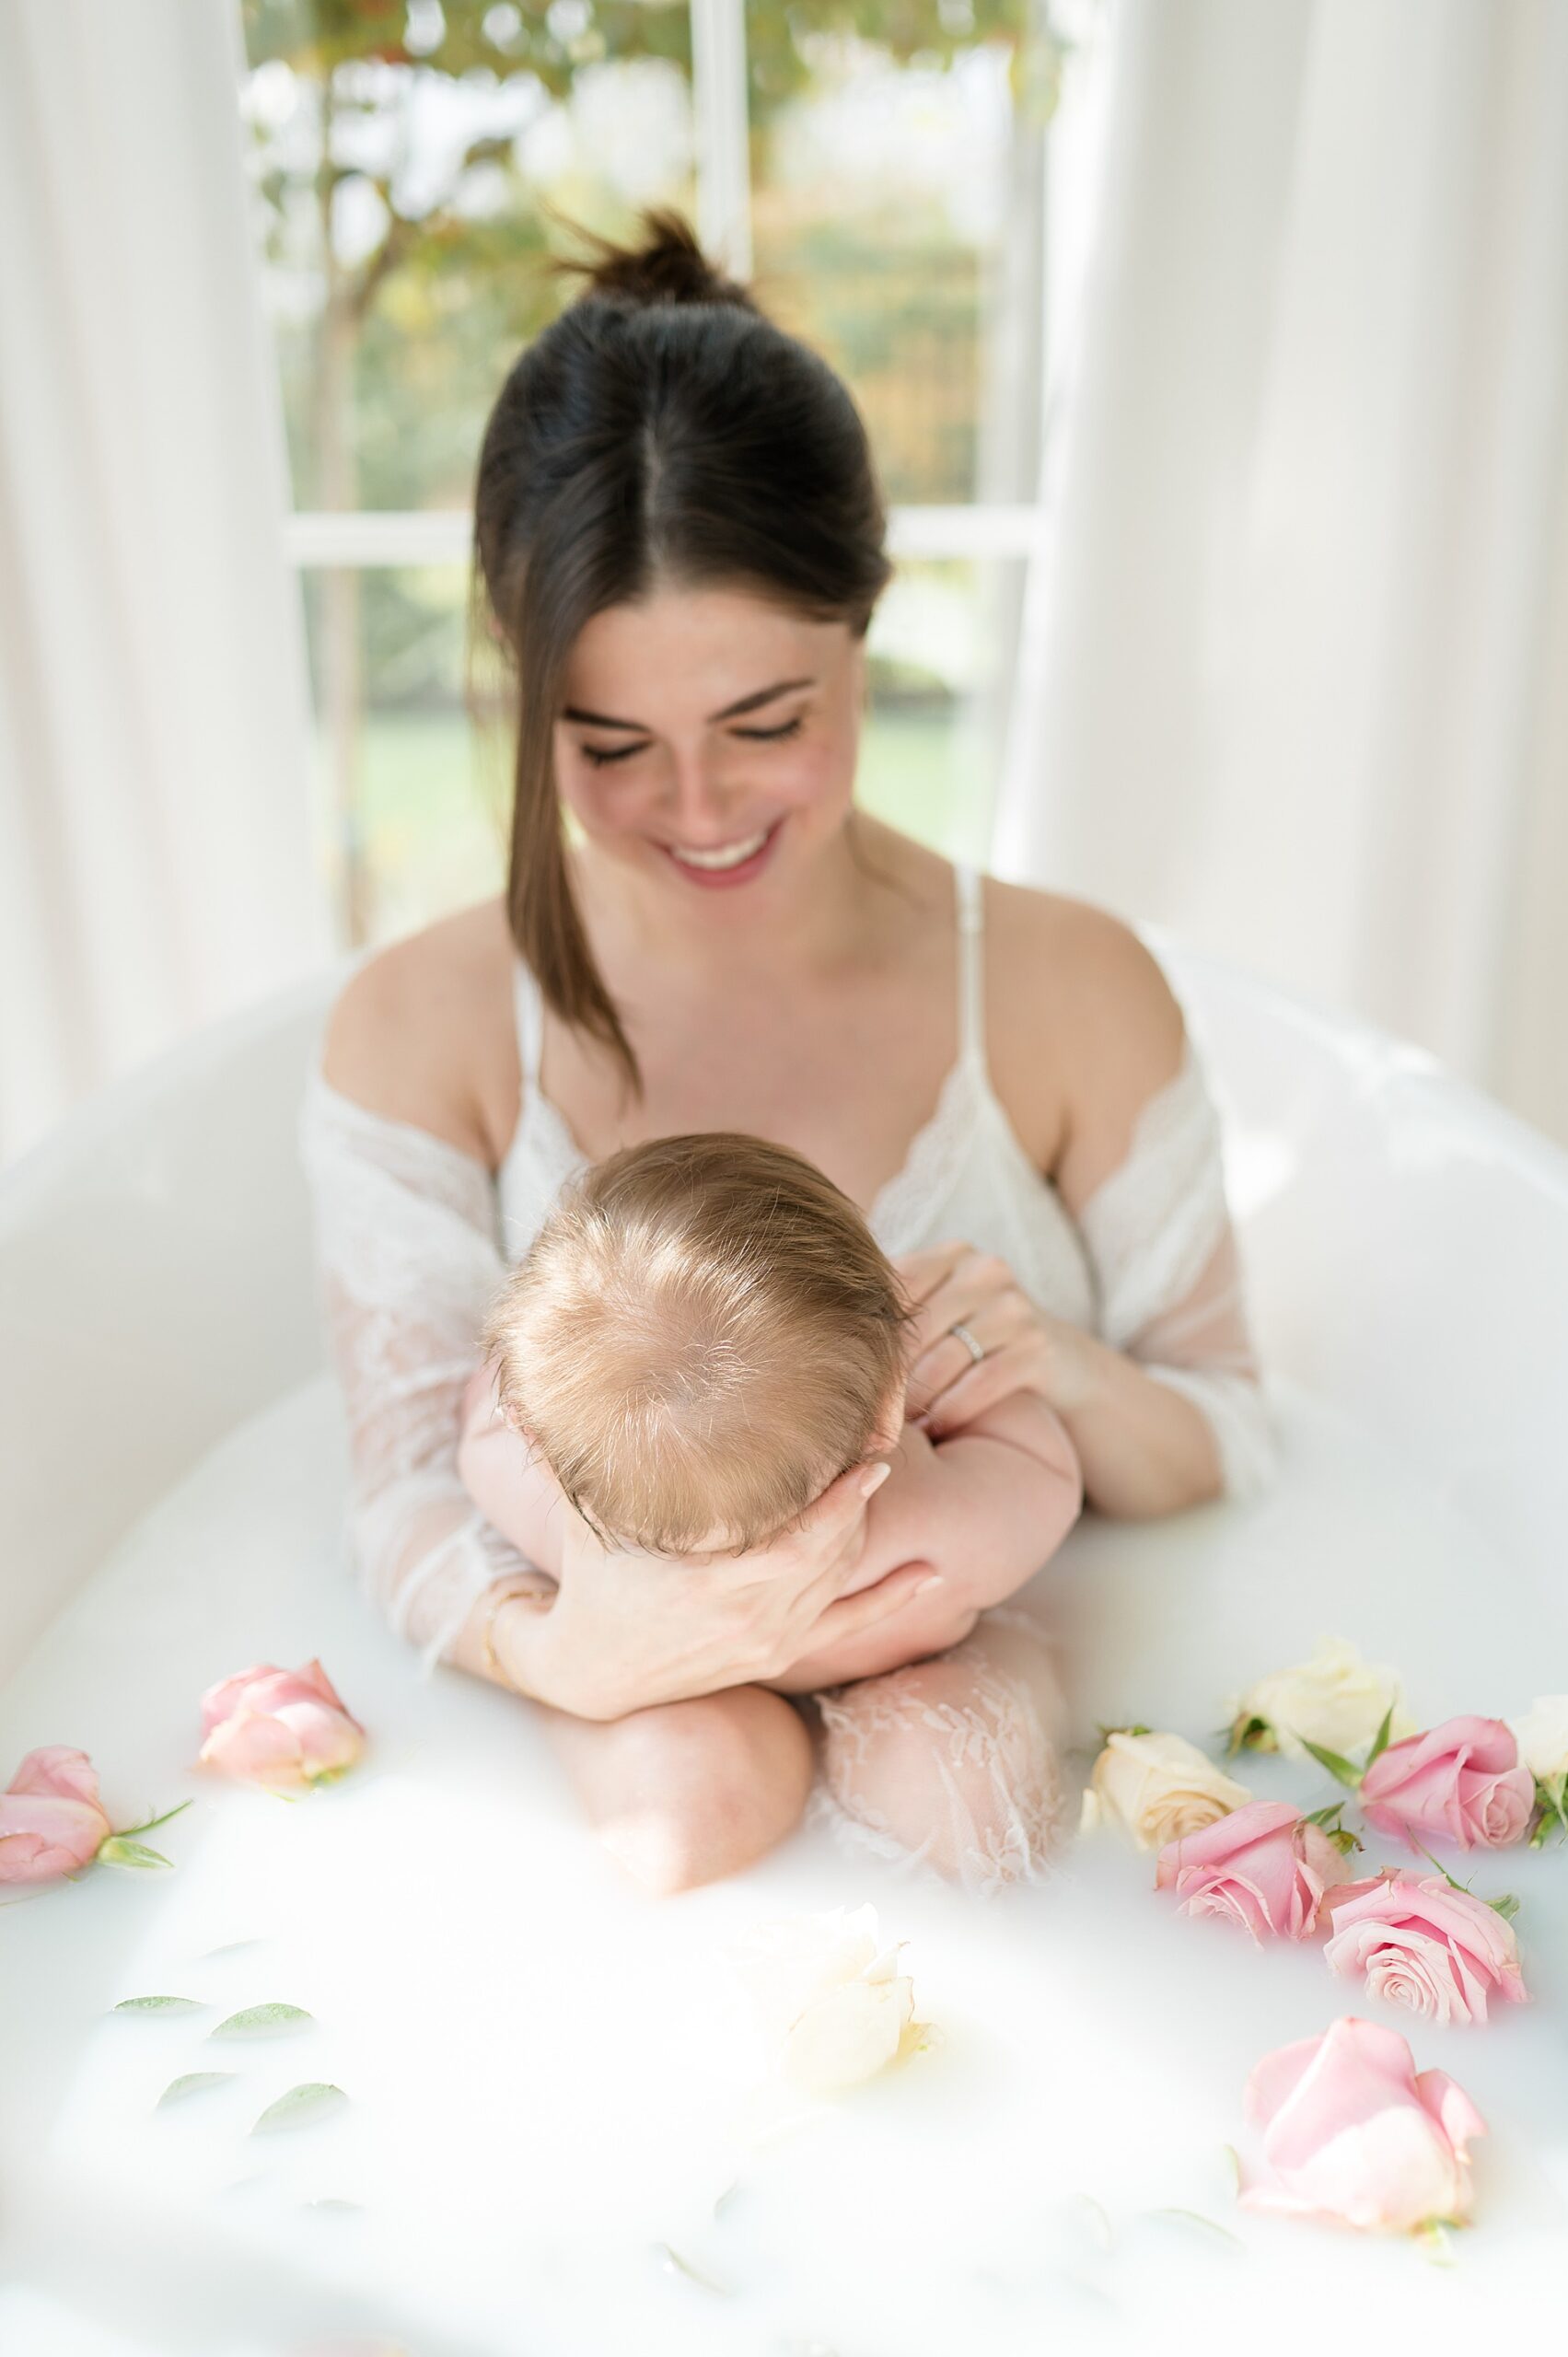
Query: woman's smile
x=722 y=865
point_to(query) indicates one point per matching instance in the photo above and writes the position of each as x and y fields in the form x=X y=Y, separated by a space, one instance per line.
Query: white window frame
x=374 y=538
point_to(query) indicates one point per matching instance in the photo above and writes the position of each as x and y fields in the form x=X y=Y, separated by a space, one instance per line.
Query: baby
x=702 y=1335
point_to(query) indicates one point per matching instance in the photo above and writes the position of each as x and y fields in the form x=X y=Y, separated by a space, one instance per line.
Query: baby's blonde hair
x=703 y=1335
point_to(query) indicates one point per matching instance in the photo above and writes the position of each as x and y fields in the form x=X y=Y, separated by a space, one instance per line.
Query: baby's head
x=702 y=1335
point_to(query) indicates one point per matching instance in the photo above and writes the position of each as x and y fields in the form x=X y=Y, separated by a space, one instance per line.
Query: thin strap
x=530 y=1027
x=969 y=887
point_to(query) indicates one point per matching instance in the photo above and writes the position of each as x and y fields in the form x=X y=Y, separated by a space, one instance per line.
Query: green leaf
x=1380 y=1740
x=1507 y=1906
x=1250 y=1733
x=300 y=2105
x=159 y=2005
x=1338 y=1766
x=1552 y=1798
x=118 y=1851
x=263 y=2021
x=191 y=2084
x=1343 y=1839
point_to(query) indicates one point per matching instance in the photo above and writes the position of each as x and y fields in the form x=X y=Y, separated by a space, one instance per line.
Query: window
x=887 y=173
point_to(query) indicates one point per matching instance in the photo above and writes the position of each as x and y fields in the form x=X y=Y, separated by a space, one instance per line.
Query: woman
x=680 y=540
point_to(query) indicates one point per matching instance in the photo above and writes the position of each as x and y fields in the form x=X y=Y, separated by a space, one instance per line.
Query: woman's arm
x=408 y=1265
x=510 y=1484
x=396 y=1138
x=1165 y=1406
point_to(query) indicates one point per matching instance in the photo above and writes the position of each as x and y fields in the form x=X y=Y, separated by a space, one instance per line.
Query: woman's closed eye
x=600 y=755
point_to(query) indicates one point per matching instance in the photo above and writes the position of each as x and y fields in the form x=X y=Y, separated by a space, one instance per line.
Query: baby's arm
x=514 y=1490
x=987 y=1506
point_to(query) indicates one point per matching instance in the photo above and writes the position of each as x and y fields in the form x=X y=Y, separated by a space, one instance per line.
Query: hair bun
x=669 y=267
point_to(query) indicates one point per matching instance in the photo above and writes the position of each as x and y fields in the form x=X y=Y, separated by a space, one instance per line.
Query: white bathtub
x=548 y=2086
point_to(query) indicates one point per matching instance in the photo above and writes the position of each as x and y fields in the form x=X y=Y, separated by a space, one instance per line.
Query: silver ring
x=976 y=1350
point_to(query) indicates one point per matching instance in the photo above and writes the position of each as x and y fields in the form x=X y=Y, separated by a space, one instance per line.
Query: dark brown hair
x=703 y=1335
x=661 y=429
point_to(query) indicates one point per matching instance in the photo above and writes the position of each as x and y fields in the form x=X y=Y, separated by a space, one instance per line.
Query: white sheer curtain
x=1294 y=681
x=155 y=863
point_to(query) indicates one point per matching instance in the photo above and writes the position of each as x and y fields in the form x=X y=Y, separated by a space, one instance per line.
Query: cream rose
x=1335 y=1700
x=1157 y=1787
x=830 y=2000
x=1543 y=1737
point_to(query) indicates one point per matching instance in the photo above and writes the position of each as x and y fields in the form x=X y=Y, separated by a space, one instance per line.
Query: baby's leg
x=684 y=1792
x=956 y=1760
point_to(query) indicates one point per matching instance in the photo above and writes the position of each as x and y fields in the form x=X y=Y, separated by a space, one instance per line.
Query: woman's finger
x=921 y=1272
x=995 y=1325
x=992 y=1323
x=836 y=1513
x=982 y=1384
x=851 y=1614
x=978 y=1282
x=826 y=1542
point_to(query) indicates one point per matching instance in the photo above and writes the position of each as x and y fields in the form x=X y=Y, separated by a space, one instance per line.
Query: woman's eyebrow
x=730 y=712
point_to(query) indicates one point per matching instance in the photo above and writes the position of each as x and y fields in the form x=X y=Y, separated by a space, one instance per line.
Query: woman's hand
x=1026 y=1349
x=628 y=1630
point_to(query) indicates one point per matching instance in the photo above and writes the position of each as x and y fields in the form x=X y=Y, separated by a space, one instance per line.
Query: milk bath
x=556 y=2138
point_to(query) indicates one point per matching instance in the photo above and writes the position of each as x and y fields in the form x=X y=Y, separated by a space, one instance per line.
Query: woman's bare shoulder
x=422 y=1032
x=1080 y=998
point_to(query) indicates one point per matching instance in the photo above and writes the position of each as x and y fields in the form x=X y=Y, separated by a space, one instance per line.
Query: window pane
x=422 y=827
x=405 y=150
x=899 y=221
x=932 y=747
x=412 y=796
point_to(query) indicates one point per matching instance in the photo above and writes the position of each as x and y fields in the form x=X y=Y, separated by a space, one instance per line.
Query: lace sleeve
x=1170 y=1276
x=409 y=1260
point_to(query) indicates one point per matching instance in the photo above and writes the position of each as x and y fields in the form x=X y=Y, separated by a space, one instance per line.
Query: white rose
x=1336 y=1700
x=1543 y=1737
x=830 y=2001
x=1159 y=1787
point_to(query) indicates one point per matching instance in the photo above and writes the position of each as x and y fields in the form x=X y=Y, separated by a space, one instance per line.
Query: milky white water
x=551 y=2082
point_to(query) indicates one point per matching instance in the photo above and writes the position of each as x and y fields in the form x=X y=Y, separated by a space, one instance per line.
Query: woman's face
x=707 y=740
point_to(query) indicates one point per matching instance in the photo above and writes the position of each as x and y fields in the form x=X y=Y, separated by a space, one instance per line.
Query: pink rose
x=1352 y=2133
x=281 y=1728
x=1462 y=1779
x=1424 y=1944
x=51 y=1822
x=1263 y=1867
